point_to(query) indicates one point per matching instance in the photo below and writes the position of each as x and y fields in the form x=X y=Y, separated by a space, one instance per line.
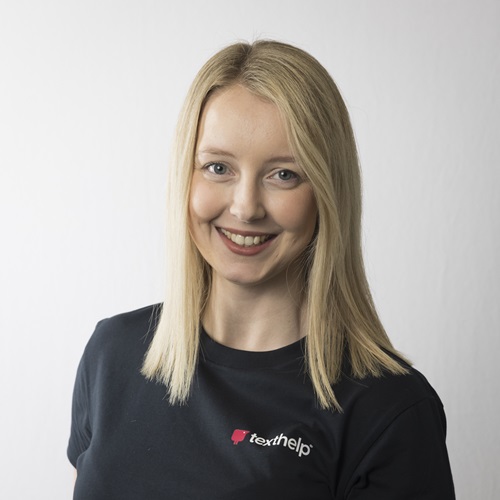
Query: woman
x=266 y=373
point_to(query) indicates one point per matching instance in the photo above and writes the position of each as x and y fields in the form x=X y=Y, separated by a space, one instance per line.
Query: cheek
x=204 y=202
x=299 y=214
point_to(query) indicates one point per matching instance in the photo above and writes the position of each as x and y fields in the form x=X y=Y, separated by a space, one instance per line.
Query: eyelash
x=209 y=166
x=294 y=176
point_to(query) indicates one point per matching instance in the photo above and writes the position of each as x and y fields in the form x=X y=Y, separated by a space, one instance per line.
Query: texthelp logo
x=293 y=444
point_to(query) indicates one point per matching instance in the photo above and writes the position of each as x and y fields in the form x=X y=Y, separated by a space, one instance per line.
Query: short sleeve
x=81 y=432
x=408 y=460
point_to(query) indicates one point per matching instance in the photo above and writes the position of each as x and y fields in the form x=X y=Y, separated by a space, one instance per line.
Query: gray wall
x=89 y=94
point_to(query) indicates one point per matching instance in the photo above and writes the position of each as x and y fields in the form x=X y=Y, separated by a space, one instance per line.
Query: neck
x=255 y=318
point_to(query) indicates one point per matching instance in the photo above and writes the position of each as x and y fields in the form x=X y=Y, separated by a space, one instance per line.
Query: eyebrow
x=221 y=152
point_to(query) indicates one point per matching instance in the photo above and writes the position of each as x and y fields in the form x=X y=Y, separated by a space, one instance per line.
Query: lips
x=245 y=243
x=246 y=240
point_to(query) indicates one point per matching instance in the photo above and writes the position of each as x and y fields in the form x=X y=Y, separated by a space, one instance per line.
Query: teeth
x=245 y=241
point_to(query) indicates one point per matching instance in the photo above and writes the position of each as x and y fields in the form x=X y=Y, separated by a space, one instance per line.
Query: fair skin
x=252 y=215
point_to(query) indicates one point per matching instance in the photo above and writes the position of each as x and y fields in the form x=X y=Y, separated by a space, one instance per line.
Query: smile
x=245 y=241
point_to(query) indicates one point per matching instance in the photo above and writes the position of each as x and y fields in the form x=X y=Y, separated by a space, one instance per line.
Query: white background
x=89 y=95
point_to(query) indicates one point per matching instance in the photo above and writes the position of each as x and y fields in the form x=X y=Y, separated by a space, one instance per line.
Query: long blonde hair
x=341 y=315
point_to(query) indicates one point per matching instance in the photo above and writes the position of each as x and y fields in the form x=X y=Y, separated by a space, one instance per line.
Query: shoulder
x=123 y=336
x=395 y=424
x=389 y=394
x=373 y=406
x=109 y=370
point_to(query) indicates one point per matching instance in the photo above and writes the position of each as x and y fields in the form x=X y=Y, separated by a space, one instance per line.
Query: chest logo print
x=297 y=445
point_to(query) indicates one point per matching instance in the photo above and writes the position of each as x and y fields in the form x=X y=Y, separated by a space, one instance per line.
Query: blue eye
x=286 y=175
x=217 y=168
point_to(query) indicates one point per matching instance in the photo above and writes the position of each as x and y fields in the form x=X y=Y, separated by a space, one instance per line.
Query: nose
x=246 y=203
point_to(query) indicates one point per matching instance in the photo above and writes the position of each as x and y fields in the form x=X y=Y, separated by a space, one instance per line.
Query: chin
x=251 y=277
x=243 y=279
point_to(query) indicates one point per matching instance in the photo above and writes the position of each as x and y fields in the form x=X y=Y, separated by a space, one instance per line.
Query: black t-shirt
x=251 y=429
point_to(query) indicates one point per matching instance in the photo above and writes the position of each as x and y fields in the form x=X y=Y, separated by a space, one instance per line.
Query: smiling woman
x=248 y=196
x=277 y=370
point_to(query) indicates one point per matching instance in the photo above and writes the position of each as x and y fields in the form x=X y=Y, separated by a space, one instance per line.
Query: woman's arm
x=409 y=459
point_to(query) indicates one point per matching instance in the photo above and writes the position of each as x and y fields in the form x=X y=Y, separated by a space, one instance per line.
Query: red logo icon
x=238 y=436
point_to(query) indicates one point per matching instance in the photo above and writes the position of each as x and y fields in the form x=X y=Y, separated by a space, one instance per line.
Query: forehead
x=235 y=116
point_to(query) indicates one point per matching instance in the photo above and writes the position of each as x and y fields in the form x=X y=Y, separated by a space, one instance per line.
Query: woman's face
x=252 y=213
